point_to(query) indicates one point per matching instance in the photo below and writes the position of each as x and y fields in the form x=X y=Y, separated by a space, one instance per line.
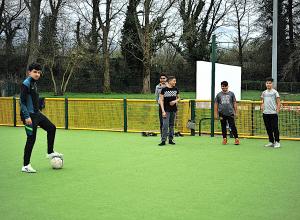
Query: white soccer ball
x=57 y=162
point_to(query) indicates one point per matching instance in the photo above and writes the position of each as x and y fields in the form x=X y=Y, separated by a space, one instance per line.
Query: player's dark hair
x=224 y=83
x=34 y=66
x=171 y=78
x=269 y=79
x=163 y=74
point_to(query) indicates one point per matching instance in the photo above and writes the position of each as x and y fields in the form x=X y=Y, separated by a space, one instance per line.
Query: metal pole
x=274 y=43
x=213 y=72
x=193 y=115
x=66 y=113
x=125 y=114
x=15 y=111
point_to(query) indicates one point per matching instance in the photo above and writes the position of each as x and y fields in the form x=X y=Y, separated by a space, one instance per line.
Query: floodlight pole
x=213 y=73
x=274 y=43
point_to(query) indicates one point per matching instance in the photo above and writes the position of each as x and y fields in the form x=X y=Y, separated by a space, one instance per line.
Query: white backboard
x=231 y=74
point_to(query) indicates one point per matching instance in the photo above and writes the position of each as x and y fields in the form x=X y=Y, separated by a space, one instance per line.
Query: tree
x=61 y=67
x=288 y=21
x=198 y=24
x=94 y=35
x=291 y=70
x=34 y=7
x=9 y=12
x=242 y=11
x=151 y=31
x=103 y=12
x=10 y=23
x=104 y=22
x=2 y=7
x=130 y=43
x=105 y=28
x=49 y=47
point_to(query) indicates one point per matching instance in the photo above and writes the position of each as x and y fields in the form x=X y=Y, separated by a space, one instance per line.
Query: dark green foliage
x=131 y=47
x=285 y=46
x=48 y=44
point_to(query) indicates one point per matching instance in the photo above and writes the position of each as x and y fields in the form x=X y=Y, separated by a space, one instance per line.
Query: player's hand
x=216 y=117
x=28 y=121
x=262 y=108
x=173 y=102
x=164 y=114
x=236 y=116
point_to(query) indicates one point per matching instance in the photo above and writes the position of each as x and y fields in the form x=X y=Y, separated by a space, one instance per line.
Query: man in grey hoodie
x=162 y=84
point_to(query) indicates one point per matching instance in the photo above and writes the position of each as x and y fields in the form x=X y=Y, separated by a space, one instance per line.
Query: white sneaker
x=276 y=145
x=54 y=154
x=269 y=145
x=28 y=169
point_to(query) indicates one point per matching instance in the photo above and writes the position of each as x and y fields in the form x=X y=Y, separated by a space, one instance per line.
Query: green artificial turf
x=111 y=175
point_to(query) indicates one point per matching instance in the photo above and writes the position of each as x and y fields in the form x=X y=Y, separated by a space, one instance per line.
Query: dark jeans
x=160 y=119
x=168 y=126
x=38 y=119
x=271 y=123
x=230 y=119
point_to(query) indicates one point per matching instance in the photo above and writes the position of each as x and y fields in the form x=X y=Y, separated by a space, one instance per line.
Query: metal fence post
x=66 y=113
x=125 y=114
x=193 y=115
x=252 y=119
x=213 y=72
x=15 y=111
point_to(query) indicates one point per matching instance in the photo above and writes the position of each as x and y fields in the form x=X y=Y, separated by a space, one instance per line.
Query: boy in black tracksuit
x=32 y=117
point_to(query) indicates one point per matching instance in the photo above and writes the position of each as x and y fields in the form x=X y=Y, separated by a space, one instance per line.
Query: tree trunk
x=106 y=85
x=77 y=32
x=2 y=8
x=94 y=33
x=9 y=36
x=290 y=22
x=240 y=44
x=146 y=79
x=147 y=65
x=33 y=41
x=53 y=78
x=67 y=80
x=147 y=49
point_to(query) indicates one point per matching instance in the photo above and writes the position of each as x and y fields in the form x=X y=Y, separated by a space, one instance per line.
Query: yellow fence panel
x=6 y=111
x=55 y=111
x=142 y=115
x=18 y=117
x=99 y=114
x=182 y=117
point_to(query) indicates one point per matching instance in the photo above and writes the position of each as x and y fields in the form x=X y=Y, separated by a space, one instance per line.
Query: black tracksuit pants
x=271 y=123
x=160 y=119
x=230 y=119
x=38 y=119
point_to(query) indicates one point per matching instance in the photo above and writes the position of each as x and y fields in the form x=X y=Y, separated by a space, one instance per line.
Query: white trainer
x=54 y=154
x=28 y=169
x=276 y=145
x=269 y=145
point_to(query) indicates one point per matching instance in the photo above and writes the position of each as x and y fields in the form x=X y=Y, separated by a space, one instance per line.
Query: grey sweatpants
x=168 y=126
